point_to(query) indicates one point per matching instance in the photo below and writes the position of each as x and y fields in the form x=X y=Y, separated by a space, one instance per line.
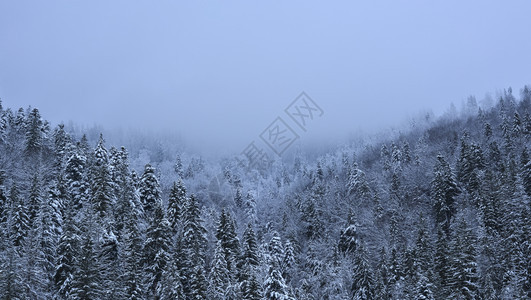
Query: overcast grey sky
x=221 y=71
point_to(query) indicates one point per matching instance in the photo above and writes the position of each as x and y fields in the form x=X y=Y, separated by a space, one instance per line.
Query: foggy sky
x=219 y=72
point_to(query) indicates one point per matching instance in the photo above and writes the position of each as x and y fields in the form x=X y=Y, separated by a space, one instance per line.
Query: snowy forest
x=438 y=211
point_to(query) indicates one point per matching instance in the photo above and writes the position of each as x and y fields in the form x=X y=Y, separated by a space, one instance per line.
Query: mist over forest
x=265 y=150
x=440 y=210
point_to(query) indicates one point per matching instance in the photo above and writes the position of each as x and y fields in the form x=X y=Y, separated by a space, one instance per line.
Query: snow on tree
x=79 y=223
x=275 y=287
x=156 y=249
x=67 y=255
x=463 y=264
x=193 y=244
x=357 y=182
x=176 y=203
x=444 y=190
x=363 y=283
x=19 y=219
x=150 y=193
x=101 y=181
x=219 y=277
x=34 y=132
x=348 y=240
x=230 y=244
x=76 y=180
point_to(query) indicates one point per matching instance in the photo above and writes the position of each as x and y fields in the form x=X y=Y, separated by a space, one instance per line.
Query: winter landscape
x=256 y=168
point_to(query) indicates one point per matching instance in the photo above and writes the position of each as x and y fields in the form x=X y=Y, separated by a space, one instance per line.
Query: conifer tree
x=11 y=281
x=34 y=132
x=275 y=287
x=102 y=189
x=131 y=255
x=442 y=263
x=443 y=192
x=150 y=193
x=348 y=239
x=463 y=266
x=67 y=251
x=86 y=282
x=176 y=203
x=34 y=200
x=20 y=220
x=48 y=230
x=363 y=284
x=76 y=179
x=249 y=262
x=170 y=286
x=107 y=256
x=178 y=167
x=219 y=278
x=156 y=249
x=230 y=245
x=194 y=241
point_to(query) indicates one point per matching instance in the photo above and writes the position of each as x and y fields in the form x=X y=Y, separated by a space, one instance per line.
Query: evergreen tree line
x=441 y=211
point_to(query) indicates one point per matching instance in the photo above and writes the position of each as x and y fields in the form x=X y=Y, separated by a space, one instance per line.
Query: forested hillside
x=440 y=211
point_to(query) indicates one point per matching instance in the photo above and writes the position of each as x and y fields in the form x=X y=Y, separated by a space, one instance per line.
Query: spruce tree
x=150 y=193
x=131 y=255
x=67 y=251
x=193 y=250
x=463 y=265
x=107 y=255
x=34 y=133
x=363 y=284
x=87 y=283
x=34 y=200
x=275 y=287
x=219 y=277
x=156 y=250
x=11 y=281
x=48 y=232
x=20 y=220
x=443 y=192
x=176 y=203
x=348 y=239
x=170 y=287
x=102 y=189
x=249 y=262
x=76 y=179
x=226 y=234
x=442 y=263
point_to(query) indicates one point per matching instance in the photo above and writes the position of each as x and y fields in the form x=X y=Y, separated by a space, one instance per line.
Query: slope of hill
x=436 y=213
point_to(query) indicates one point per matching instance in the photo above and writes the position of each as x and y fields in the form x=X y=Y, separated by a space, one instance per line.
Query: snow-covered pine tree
x=443 y=192
x=363 y=283
x=34 y=200
x=87 y=279
x=348 y=238
x=156 y=249
x=193 y=250
x=176 y=203
x=34 y=133
x=131 y=254
x=150 y=193
x=463 y=262
x=76 y=179
x=219 y=277
x=19 y=220
x=249 y=261
x=101 y=181
x=275 y=287
x=230 y=244
x=67 y=255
